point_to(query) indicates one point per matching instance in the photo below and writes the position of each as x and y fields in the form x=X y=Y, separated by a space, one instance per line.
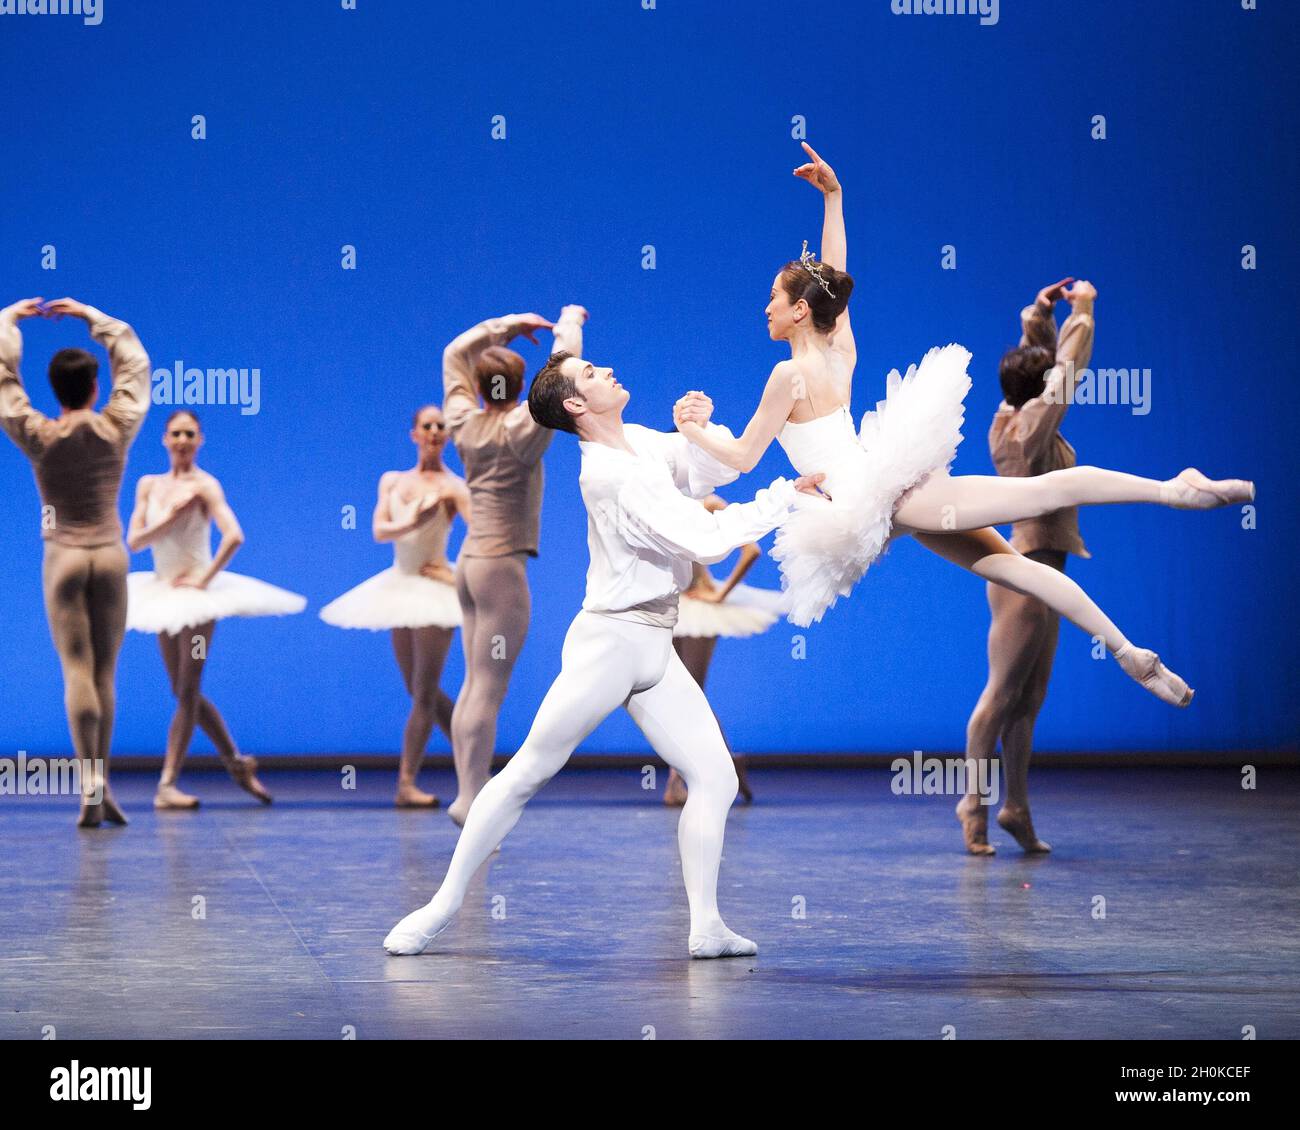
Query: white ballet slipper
x=413 y=933
x=727 y=943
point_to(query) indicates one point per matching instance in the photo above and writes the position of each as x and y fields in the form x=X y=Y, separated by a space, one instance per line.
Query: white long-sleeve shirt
x=644 y=529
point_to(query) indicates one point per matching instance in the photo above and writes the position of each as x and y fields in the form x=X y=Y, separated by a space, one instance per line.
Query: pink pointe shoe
x=1144 y=667
x=1191 y=490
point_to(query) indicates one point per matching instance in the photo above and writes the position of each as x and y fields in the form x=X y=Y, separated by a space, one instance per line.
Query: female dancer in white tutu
x=415 y=598
x=892 y=476
x=188 y=591
x=712 y=609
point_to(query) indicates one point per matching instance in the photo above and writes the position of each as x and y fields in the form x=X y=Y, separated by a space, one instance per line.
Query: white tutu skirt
x=393 y=599
x=157 y=606
x=745 y=612
x=825 y=547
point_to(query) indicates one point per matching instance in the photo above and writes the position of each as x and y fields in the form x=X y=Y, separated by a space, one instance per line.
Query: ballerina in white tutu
x=712 y=609
x=891 y=476
x=188 y=591
x=415 y=598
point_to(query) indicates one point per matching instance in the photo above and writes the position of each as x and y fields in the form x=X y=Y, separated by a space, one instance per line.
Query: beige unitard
x=78 y=459
x=501 y=450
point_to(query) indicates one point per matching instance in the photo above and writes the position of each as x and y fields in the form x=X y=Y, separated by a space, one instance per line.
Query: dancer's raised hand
x=575 y=312
x=1082 y=292
x=61 y=306
x=528 y=325
x=817 y=172
x=1051 y=295
x=23 y=308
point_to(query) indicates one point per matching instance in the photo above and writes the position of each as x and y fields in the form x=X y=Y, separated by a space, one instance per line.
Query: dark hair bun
x=799 y=282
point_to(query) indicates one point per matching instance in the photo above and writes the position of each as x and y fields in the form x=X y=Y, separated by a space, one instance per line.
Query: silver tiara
x=809 y=262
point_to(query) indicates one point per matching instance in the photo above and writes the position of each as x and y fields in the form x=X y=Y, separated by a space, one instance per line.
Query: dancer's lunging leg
x=606 y=663
x=598 y=671
x=496 y=604
x=987 y=554
x=676 y=718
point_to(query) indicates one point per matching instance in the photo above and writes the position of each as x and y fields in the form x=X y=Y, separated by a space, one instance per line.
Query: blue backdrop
x=671 y=127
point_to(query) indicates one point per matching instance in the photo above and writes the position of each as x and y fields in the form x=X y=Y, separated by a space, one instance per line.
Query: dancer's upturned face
x=430 y=432
x=182 y=439
x=781 y=312
x=598 y=392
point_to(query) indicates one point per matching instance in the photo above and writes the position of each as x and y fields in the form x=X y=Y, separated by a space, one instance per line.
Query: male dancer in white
x=643 y=532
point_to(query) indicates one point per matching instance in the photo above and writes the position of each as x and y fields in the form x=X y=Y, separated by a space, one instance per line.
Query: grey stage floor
x=872 y=922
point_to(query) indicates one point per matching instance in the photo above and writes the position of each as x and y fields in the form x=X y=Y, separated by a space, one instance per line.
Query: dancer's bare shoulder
x=821 y=381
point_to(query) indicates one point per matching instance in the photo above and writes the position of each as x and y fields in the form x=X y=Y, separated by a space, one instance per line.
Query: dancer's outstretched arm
x=656 y=517
x=835 y=242
x=1040 y=417
x=459 y=393
x=692 y=412
x=128 y=400
x=528 y=439
x=20 y=419
x=1038 y=320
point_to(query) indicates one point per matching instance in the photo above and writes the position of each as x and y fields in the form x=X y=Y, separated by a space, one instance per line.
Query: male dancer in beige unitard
x=1038 y=380
x=79 y=459
x=501 y=448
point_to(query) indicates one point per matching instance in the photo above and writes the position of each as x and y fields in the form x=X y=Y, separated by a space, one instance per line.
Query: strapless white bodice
x=425 y=545
x=828 y=445
x=186 y=546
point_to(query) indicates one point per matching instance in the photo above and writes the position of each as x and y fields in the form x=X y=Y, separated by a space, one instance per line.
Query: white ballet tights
x=1060 y=593
x=951 y=503
x=607 y=663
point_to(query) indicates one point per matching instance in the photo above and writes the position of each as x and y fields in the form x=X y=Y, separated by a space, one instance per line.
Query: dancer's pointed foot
x=409 y=795
x=675 y=790
x=1192 y=490
x=243 y=770
x=974 y=819
x=720 y=942
x=414 y=932
x=742 y=776
x=1018 y=822
x=112 y=813
x=91 y=815
x=170 y=797
x=1144 y=667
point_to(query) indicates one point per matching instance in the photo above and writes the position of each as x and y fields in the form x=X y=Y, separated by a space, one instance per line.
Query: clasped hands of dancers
x=855 y=491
